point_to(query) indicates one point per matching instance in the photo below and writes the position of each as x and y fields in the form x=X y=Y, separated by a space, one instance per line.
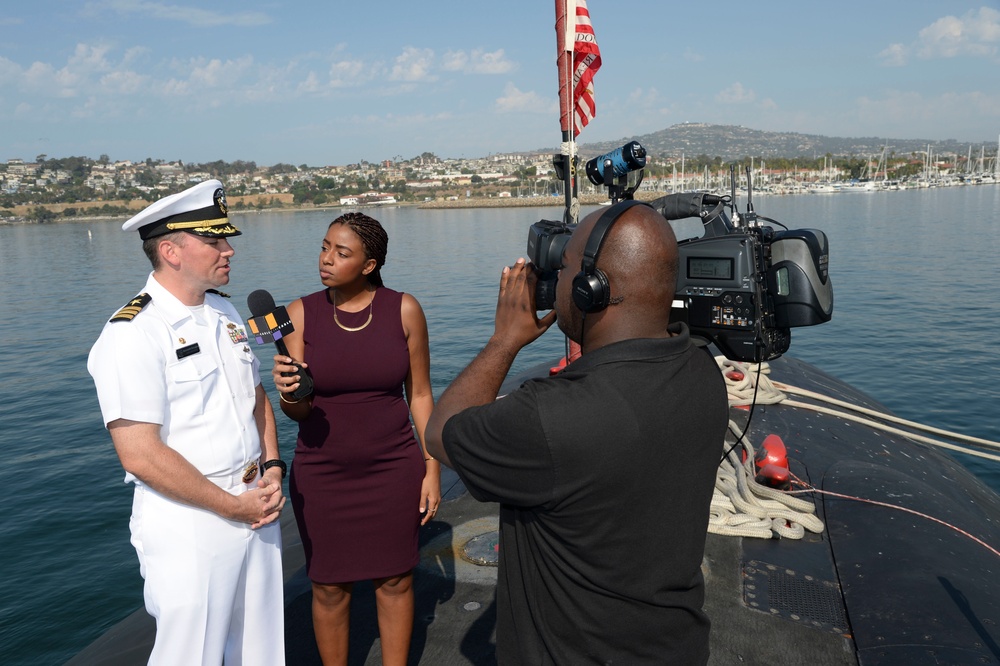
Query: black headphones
x=591 y=290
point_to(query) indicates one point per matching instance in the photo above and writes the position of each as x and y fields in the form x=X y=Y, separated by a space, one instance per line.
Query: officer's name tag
x=190 y=350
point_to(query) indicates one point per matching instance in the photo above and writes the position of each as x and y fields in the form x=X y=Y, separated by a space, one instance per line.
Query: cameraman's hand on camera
x=517 y=324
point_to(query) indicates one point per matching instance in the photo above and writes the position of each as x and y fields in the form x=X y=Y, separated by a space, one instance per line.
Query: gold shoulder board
x=132 y=308
x=216 y=291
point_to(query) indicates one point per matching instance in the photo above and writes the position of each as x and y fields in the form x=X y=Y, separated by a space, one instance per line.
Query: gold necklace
x=371 y=309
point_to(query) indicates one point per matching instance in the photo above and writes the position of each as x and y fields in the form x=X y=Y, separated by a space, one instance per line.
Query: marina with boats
x=880 y=173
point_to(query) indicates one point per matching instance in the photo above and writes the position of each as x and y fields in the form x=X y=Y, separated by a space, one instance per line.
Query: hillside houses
x=364 y=182
x=75 y=180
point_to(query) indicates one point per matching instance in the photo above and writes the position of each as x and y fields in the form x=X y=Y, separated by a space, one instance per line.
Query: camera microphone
x=271 y=323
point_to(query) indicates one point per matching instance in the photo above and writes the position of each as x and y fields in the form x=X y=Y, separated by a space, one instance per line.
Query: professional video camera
x=740 y=284
x=744 y=285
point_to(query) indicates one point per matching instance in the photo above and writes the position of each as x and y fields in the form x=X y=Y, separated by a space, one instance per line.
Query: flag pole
x=566 y=42
x=565 y=18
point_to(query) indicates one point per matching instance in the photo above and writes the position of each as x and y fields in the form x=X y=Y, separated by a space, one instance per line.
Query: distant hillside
x=733 y=142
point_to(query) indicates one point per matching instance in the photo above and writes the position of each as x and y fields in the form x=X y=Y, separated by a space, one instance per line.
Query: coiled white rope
x=741 y=506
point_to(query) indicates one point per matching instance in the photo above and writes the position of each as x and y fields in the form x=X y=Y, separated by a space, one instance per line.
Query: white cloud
x=477 y=61
x=455 y=61
x=350 y=73
x=217 y=74
x=894 y=55
x=516 y=101
x=735 y=94
x=133 y=54
x=342 y=71
x=413 y=65
x=310 y=84
x=89 y=58
x=976 y=34
x=173 y=88
x=123 y=83
x=87 y=69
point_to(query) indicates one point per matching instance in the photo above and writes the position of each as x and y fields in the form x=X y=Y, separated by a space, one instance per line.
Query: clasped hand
x=263 y=504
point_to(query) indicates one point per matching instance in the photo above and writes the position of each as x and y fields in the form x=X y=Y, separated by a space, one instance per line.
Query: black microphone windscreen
x=260 y=302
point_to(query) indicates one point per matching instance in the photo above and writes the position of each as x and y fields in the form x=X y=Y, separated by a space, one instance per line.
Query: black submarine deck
x=878 y=586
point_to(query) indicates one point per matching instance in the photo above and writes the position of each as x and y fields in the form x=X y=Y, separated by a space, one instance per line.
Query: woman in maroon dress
x=361 y=484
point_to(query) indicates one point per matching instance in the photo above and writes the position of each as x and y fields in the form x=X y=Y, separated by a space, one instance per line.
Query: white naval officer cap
x=200 y=210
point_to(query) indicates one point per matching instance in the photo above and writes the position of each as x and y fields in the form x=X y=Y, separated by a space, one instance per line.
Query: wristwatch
x=275 y=463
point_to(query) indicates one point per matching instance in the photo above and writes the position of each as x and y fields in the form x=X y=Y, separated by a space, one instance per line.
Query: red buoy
x=771 y=452
x=774 y=476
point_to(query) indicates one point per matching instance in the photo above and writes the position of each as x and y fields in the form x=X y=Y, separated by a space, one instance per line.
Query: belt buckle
x=250 y=472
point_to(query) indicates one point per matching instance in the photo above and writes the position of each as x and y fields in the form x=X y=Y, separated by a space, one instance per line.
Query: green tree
x=41 y=215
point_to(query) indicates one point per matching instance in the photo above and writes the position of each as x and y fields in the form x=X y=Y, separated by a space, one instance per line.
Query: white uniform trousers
x=214 y=586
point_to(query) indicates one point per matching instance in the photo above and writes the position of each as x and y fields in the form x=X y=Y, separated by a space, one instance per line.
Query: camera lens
x=546 y=243
x=545 y=290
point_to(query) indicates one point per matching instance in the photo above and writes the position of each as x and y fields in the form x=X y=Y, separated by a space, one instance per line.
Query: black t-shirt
x=604 y=474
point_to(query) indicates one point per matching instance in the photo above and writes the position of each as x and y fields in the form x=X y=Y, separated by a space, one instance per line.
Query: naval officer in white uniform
x=180 y=394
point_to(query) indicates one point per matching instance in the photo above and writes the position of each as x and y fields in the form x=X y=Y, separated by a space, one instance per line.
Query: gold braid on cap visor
x=204 y=226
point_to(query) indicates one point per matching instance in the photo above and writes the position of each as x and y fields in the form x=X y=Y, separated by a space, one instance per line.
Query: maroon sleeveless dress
x=357 y=472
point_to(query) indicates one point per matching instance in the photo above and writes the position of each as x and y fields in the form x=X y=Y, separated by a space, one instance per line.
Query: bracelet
x=281 y=396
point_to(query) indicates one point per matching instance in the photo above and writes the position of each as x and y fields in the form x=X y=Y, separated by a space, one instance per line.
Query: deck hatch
x=793 y=596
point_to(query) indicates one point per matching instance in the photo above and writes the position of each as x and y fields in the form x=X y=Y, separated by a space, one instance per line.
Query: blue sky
x=335 y=82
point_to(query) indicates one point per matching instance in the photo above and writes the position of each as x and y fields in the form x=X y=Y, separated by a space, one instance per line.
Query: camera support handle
x=618 y=187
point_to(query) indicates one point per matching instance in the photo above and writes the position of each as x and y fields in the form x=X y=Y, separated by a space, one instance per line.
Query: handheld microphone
x=271 y=323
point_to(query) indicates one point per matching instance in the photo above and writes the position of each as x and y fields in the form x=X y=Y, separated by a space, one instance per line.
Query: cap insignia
x=220 y=200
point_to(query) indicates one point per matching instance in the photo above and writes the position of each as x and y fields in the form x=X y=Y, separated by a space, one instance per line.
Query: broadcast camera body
x=740 y=284
x=744 y=286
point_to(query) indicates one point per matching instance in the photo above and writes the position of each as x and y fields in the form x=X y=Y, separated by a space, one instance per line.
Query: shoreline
x=593 y=199
x=470 y=202
x=494 y=202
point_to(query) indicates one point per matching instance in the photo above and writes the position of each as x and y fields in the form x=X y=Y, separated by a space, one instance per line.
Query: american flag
x=586 y=62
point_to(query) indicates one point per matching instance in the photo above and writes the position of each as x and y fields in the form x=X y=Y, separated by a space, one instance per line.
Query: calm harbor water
x=916 y=301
